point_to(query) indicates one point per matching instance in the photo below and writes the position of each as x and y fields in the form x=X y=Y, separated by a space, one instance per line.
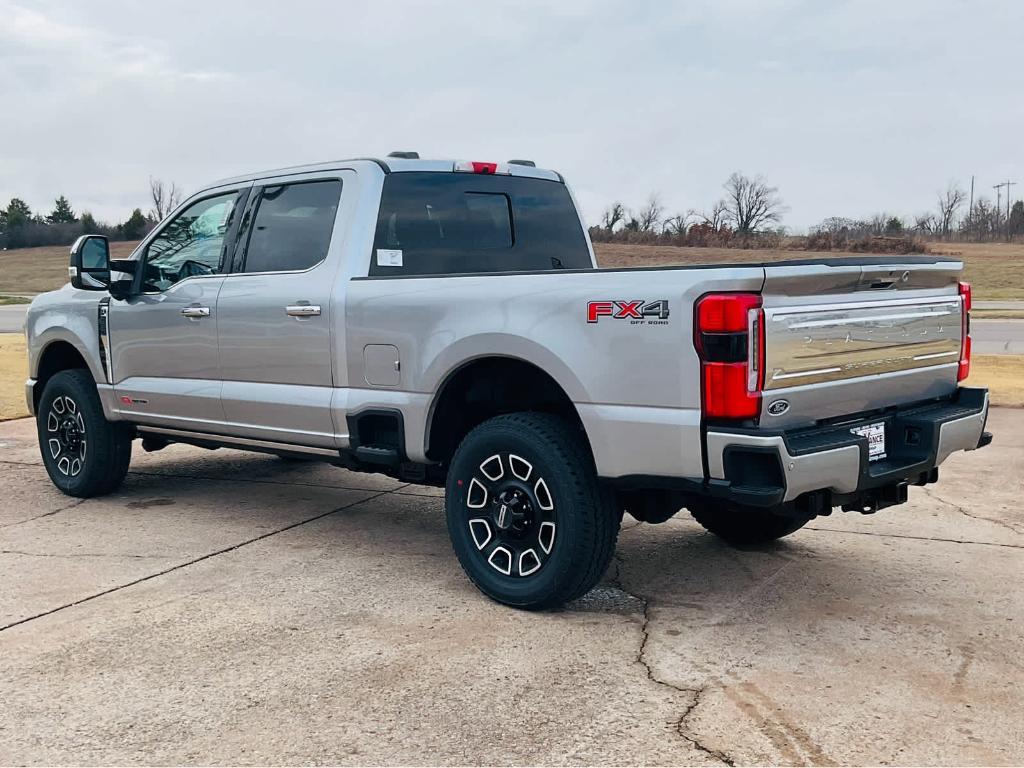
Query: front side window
x=293 y=225
x=191 y=244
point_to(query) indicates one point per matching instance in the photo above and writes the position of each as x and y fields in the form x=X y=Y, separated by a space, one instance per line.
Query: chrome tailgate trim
x=834 y=342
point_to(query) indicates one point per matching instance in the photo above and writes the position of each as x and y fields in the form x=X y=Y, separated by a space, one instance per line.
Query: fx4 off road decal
x=636 y=311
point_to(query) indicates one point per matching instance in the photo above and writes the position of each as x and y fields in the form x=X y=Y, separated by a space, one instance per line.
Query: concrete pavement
x=233 y=608
x=997 y=337
x=12 y=317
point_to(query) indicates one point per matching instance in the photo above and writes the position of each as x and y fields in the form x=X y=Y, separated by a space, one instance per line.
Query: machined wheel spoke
x=492 y=468
x=540 y=488
x=52 y=422
x=58 y=405
x=54 y=445
x=501 y=560
x=546 y=536
x=64 y=465
x=529 y=562
x=519 y=467
x=480 y=530
x=481 y=492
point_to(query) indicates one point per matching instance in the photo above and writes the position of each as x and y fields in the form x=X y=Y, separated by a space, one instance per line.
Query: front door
x=163 y=340
x=274 y=316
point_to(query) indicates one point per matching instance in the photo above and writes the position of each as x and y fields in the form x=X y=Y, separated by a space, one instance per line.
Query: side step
x=377 y=454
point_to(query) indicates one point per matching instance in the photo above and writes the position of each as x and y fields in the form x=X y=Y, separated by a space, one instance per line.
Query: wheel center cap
x=510 y=510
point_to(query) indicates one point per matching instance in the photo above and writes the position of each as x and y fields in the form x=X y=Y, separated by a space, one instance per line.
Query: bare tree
x=612 y=216
x=678 y=224
x=715 y=218
x=165 y=198
x=751 y=203
x=924 y=223
x=649 y=217
x=950 y=202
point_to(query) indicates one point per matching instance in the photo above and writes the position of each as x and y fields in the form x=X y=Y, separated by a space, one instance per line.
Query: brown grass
x=34 y=270
x=995 y=270
x=13 y=372
x=1002 y=374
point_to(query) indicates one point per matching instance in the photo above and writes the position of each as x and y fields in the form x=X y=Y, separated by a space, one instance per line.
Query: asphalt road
x=12 y=317
x=233 y=608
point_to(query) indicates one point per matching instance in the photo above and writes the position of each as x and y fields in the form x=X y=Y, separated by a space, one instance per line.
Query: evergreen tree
x=15 y=221
x=1016 y=222
x=89 y=225
x=62 y=213
x=135 y=227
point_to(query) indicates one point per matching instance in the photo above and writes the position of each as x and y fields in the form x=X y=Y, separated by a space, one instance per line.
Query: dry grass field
x=13 y=372
x=34 y=270
x=996 y=270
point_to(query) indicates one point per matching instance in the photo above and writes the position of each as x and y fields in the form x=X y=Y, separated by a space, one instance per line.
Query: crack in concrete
x=963 y=511
x=72 y=505
x=681 y=726
x=917 y=538
x=81 y=554
x=193 y=561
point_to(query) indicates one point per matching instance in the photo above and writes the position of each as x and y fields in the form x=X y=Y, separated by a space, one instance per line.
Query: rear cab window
x=438 y=223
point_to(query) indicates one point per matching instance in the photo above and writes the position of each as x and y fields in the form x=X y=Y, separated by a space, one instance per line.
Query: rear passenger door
x=274 y=314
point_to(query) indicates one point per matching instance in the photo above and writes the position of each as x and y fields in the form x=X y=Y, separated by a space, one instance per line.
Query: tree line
x=751 y=210
x=21 y=227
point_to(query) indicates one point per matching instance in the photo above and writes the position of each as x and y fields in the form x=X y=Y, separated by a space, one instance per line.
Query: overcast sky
x=848 y=107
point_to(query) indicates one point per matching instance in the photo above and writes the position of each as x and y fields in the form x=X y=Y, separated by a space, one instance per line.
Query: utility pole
x=970 y=210
x=998 y=188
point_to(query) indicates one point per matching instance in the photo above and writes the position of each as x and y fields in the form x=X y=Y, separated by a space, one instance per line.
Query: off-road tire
x=70 y=403
x=744 y=526
x=552 y=485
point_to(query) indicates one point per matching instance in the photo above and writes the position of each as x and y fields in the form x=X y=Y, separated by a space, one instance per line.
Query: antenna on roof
x=405 y=155
x=528 y=163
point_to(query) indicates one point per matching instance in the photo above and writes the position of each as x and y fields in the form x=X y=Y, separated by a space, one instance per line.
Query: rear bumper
x=826 y=466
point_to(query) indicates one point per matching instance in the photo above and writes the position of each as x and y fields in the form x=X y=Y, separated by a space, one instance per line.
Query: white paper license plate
x=875 y=433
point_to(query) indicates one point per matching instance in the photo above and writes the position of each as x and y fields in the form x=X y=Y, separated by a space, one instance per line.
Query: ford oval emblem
x=778 y=407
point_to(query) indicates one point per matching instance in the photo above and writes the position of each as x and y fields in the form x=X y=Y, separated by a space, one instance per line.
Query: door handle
x=194 y=313
x=303 y=310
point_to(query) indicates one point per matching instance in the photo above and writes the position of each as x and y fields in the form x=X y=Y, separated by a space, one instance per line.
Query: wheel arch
x=486 y=386
x=57 y=355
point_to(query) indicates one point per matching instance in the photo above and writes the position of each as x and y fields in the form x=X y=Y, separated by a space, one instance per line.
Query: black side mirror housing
x=89 y=265
x=92 y=269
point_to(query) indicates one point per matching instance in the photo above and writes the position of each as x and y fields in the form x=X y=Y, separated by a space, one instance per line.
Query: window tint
x=190 y=244
x=444 y=223
x=292 y=227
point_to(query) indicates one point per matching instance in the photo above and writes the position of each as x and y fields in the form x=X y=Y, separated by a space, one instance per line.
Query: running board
x=377 y=454
x=207 y=439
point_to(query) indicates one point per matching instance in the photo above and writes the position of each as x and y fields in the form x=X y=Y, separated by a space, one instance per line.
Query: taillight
x=729 y=336
x=965 y=332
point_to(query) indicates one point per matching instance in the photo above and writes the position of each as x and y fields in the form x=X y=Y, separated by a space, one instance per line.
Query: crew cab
x=445 y=322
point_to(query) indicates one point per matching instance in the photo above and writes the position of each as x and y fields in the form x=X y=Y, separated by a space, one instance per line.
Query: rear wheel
x=84 y=454
x=742 y=525
x=530 y=524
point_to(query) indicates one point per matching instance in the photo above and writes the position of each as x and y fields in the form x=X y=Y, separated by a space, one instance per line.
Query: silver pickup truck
x=446 y=323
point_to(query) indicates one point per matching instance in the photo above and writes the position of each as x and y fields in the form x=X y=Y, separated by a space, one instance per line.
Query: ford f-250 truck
x=445 y=322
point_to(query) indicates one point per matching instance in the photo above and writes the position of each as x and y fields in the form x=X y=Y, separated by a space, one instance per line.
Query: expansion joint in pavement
x=193 y=561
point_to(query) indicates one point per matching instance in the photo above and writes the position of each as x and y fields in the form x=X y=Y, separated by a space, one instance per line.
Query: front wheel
x=528 y=520
x=84 y=454
x=742 y=525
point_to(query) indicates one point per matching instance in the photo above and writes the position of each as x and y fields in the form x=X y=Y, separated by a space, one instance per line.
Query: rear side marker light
x=965 y=333
x=729 y=337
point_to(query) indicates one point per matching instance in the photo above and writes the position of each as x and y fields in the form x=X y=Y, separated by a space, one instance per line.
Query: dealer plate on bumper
x=875 y=433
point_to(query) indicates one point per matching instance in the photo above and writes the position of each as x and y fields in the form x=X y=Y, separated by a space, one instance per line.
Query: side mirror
x=89 y=266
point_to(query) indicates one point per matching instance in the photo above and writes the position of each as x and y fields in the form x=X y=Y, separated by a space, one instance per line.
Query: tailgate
x=847 y=336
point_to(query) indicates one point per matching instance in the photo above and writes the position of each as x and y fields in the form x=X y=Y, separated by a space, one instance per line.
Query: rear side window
x=449 y=223
x=292 y=227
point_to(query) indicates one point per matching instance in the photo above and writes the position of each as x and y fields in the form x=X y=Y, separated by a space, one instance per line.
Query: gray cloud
x=848 y=107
